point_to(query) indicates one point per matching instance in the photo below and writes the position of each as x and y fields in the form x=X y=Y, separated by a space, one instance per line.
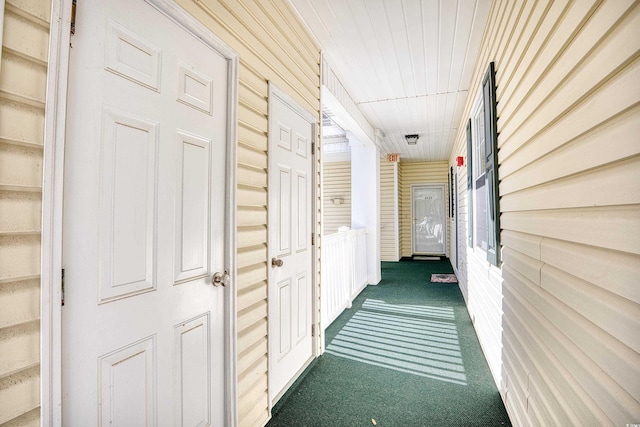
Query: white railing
x=343 y=272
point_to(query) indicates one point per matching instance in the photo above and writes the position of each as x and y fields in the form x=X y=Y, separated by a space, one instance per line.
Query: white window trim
x=478 y=105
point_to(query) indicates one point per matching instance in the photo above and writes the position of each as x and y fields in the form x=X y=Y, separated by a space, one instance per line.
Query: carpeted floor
x=405 y=354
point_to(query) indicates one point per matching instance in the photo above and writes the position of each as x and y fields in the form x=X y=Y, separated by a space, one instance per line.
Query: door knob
x=275 y=262
x=220 y=279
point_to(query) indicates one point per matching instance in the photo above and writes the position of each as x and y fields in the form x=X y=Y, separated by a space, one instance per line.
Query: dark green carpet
x=405 y=354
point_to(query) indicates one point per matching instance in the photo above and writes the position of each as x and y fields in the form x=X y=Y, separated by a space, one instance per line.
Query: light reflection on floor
x=415 y=339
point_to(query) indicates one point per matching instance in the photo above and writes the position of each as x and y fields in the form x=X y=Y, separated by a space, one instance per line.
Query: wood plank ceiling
x=406 y=63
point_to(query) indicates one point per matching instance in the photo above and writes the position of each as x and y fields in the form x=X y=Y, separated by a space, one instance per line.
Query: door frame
x=276 y=93
x=52 y=205
x=443 y=187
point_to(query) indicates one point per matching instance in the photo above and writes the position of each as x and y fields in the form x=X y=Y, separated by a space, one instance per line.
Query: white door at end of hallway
x=290 y=251
x=144 y=207
x=429 y=219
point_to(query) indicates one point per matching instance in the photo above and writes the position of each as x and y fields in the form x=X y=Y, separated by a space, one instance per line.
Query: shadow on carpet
x=405 y=354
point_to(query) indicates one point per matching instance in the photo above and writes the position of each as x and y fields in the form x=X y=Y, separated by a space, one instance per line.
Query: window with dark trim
x=482 y=172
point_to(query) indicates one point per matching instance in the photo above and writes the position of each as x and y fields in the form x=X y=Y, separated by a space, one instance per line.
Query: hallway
x=405 y=354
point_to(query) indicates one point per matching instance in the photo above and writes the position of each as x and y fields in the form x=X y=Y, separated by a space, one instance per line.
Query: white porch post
x=365 y=200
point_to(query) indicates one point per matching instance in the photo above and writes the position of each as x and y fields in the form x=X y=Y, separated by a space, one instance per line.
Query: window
x=482 y=177
x=479 y=173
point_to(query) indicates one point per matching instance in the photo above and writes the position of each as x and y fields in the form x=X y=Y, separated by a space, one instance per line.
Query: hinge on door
x=313 y=148
x=313 y=239
x=62 y=287
x=313 y=330
x=73 y=17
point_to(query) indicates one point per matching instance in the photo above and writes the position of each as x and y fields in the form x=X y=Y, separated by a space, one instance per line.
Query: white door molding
x=52 y=192
x=52 y=204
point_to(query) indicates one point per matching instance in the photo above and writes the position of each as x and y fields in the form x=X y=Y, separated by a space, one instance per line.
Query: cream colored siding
x=389 y=249
x=401 y=211
x=560 y=329
x=418 y=173
x=23 y=73
x=273 y=46
x=337 y=184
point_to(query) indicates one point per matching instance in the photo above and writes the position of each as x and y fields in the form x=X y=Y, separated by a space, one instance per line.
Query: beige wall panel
x=252 y=376
x=515 y=400
x=598 y=187
x=419 y=173
x=252 y=175
x=19 y=211
x=389 y=250
x=252 y=138
x=255 y=16
x=579 y=154
x=525 y=243
x=248 y=155
x=512 y=55
x=19 y=348
x=556 y=86
x=583 y=383
x=23 y=75
x=251 y=216
x=25 y=35
x=252 y=295
x=615 y=358
x=568 y=107
x=30 y=419
x=252 y=196
x=617 y=316
x=252 y=101
x=252 y=314
x=253 y=334
x=251 y=236
x=251 y=355
x=37 y=8
x=525 y=265
x=19 y=255
x=540 y=26
x=252 y=118
x=563 y=396
x=336 y=184
x=254 y=414
x=251 y=276
x=19 y=394
x=251 y=255
x=594 y=265
x=400 y=208
x=19 y=76
x=19 y=302
x=20 y=165
x=21 y=122
x=608 y=227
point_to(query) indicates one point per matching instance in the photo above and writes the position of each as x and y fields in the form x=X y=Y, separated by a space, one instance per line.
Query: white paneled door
x=429 y=219
x=144 y=221
x=291 y=131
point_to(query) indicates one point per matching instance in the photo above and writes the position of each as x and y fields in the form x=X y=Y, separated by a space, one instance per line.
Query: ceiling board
x=407 y=64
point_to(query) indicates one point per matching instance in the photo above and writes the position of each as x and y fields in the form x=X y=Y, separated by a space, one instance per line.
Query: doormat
x=444 y=278
x=426 y=258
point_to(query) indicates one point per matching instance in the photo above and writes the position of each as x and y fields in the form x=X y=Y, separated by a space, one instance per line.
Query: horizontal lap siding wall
x=568 y=89
x=419 y=173
x=273 y=46
x=337 y=184
x=389 y=250
x=23 y=74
